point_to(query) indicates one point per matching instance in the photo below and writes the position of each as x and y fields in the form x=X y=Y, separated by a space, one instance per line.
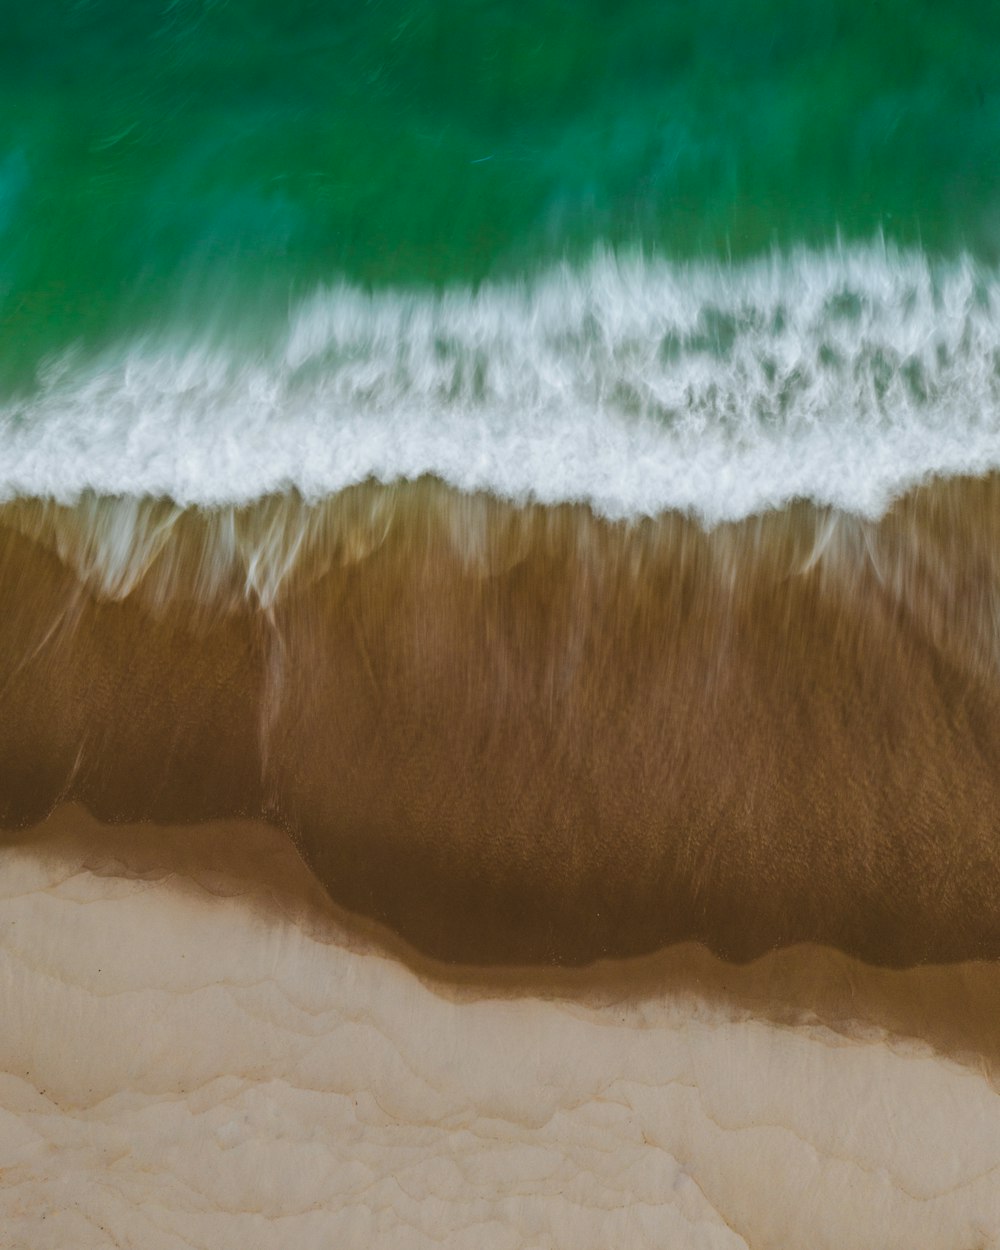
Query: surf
x=635 y=386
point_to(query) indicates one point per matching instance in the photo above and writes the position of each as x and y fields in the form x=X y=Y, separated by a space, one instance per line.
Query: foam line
x=636 y=386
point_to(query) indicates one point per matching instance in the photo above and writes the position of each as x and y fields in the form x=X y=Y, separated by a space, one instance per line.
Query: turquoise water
x=209 y=163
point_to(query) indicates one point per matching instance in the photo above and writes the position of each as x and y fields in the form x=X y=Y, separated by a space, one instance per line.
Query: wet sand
x=530 y=735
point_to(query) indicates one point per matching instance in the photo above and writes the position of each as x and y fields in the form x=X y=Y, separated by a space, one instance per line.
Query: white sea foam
x=635 y=385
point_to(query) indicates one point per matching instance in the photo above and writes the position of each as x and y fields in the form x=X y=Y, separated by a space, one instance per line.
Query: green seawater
x=205 y=162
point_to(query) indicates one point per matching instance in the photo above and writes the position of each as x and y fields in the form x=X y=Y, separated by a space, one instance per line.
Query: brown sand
x=530 y=735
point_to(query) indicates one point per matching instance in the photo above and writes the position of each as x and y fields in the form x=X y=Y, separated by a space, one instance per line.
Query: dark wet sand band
x=528 y=734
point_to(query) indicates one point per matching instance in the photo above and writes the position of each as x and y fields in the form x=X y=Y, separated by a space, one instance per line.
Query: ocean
x=541 y=453
x=707 y=257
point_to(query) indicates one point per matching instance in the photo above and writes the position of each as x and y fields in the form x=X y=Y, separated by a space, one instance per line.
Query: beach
x=499 y=617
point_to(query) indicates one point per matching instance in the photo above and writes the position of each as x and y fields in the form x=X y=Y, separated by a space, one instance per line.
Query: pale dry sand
x=196 y=1050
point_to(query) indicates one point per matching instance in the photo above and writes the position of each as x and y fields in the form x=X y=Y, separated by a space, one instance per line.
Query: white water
x=636 y=386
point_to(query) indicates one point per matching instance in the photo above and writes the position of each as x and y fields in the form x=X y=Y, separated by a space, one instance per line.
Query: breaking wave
x=635 y=386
